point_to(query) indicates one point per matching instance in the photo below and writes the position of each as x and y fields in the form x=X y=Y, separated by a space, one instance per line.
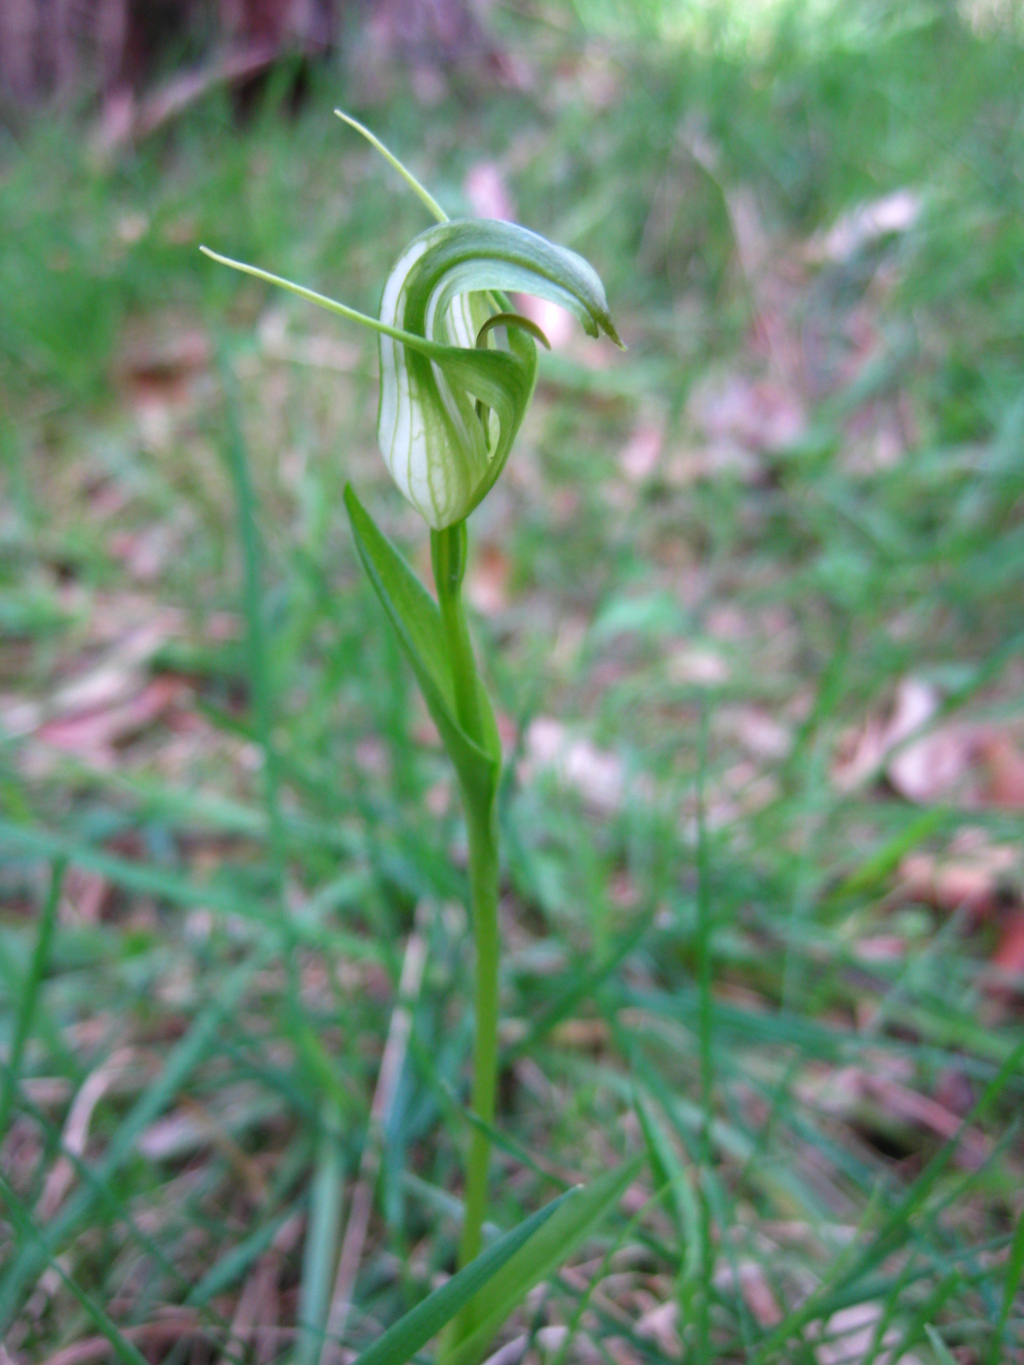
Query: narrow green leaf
x=321 y=1249
x=667 y=1167
x=543 y=1254
x=942 y=1352
x=405 y=599
x=229 y=1269
x=1014 y=1271
x=30 y=993
x=23 y=1223
x=414 y=614
x=401 y=1341
x=31 y=1256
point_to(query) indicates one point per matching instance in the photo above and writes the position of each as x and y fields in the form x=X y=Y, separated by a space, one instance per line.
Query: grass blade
x=321 y=1247
x=942 y=1352
x=668 y=1168
x=1014 y=1271
x=30 y=993
x=22 y=1220
x=258 y=665
x=182 y=1061
x=401 y=1341
x=580 y=1212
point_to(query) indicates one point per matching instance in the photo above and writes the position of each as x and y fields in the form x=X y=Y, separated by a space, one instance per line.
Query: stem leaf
x=415 y=616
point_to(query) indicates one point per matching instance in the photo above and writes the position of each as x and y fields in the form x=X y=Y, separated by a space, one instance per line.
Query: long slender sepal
x=428 y=348
x=420 y=191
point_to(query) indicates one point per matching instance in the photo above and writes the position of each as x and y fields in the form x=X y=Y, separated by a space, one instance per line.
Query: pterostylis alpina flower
x=457 y=370
x=457 y=366
x=447 y=288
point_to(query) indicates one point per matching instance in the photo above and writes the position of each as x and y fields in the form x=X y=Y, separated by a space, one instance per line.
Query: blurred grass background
x=750 y=599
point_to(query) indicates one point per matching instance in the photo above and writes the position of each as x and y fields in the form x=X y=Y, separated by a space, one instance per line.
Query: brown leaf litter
x=972 y=875
x=927 y=759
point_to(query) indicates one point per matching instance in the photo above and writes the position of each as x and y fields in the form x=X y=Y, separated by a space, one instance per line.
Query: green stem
x=483 y=880
x=448 y=553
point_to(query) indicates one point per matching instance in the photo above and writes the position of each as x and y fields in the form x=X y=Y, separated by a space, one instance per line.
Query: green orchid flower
x=457 y=365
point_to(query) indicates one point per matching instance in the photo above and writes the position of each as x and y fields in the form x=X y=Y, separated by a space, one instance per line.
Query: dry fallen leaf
x=915 y=704
x=877 y=435
x=973 y=1148
x=985 y=879
x=979 y=878
x=114 y=680
x=639 y=457
x=661 y=1325
x=594 y=773
x=879 y=948
x=849 y=1334
x=955 y=761
x=61 y=1175
x=893 y=213
x=173 y=1328
x=163 y=369
x=749 y=1278
x=257 y=1310
x=693 y=665
x=94 y=734
x=587 y=1035
x=757 y=415
x=1008 y=958
x=761 y=734
x=85 y=894
x=741 y=789
x=934 y=767
x=736 y=421
x=488 y=195
x=146 y=552
x=1003 y=765
x=487 y=580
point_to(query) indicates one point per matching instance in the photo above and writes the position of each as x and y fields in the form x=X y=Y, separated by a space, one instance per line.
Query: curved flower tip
x=457 y=367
